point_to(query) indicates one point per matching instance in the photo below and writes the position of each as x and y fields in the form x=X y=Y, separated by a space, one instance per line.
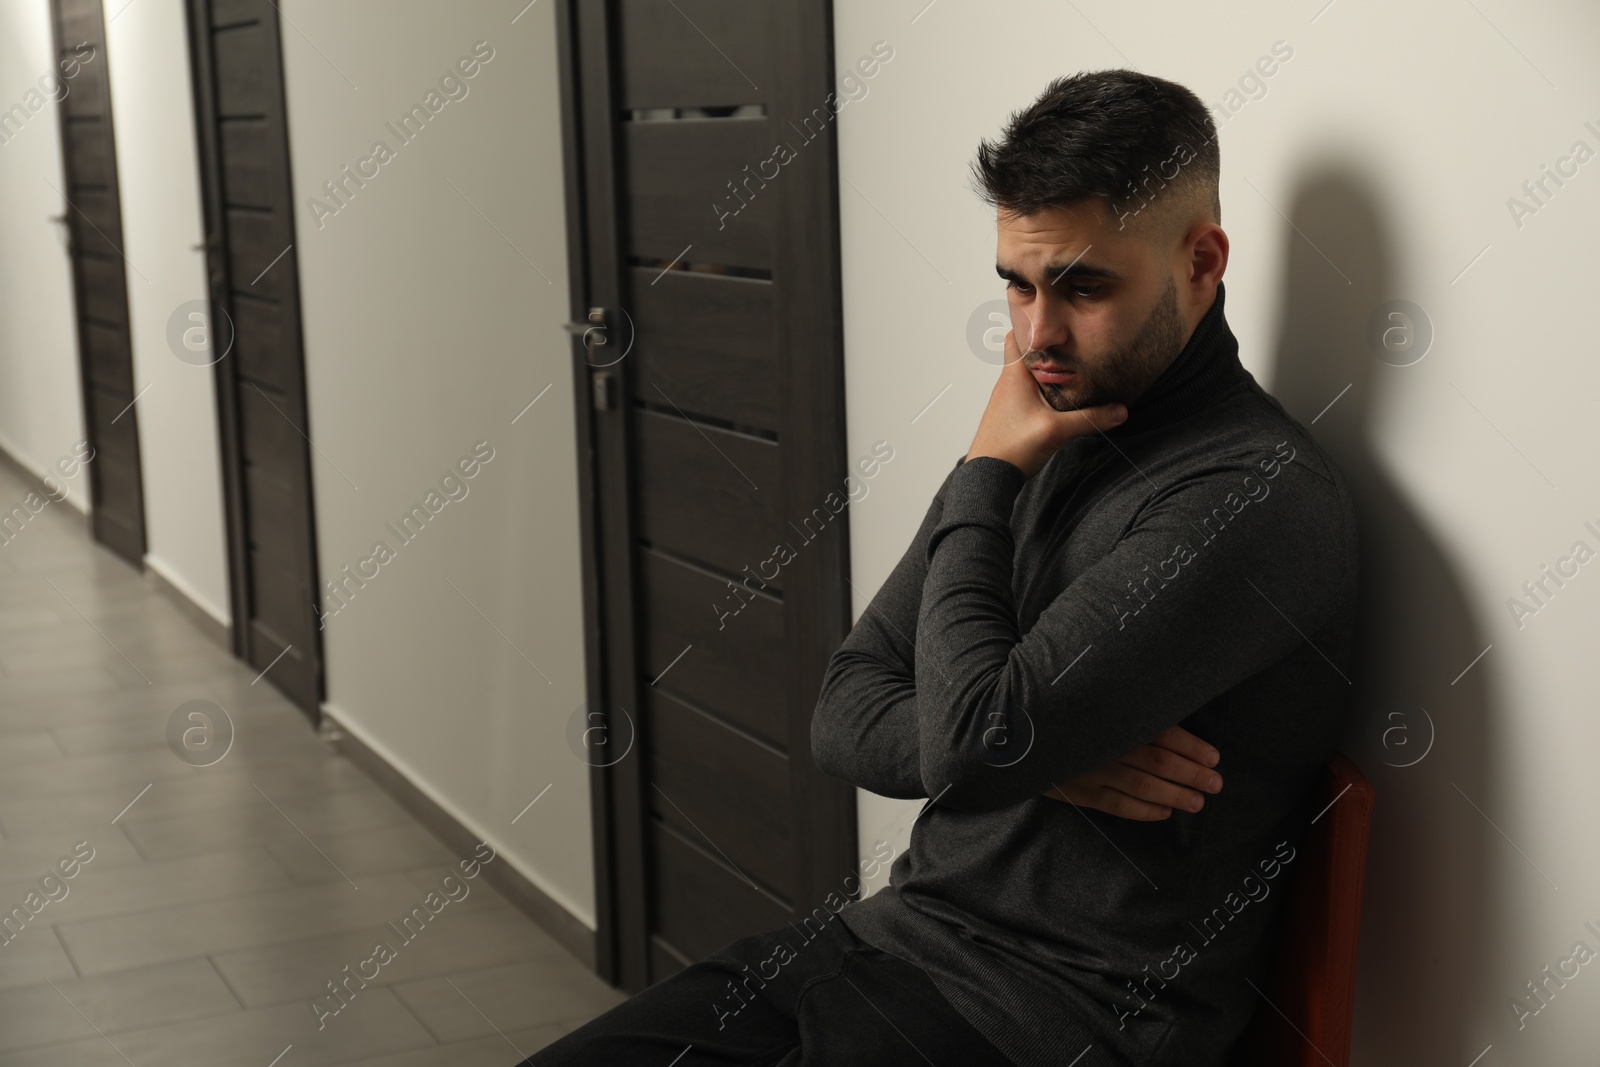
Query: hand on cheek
x=1019 y=425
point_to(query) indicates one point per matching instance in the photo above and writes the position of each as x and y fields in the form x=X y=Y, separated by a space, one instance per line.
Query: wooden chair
x=1311 y=984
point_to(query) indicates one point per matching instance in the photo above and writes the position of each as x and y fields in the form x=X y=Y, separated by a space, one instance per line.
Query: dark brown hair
x=1129 y=138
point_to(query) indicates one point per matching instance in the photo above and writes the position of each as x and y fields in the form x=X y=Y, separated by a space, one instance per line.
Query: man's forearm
x=864 y=728
x=874 y=747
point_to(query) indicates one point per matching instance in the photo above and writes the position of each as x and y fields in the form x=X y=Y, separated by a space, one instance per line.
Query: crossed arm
x=868 y=730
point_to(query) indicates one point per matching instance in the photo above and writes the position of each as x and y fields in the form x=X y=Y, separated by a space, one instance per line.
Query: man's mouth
x=1051 y=374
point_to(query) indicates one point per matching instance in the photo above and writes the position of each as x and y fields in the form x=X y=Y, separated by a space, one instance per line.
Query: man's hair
x=1146 y=146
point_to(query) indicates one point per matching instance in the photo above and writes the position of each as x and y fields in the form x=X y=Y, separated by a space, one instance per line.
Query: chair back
x=1310 y=988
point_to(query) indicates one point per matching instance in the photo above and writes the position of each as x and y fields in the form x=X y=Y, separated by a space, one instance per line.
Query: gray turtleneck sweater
x=1195 y=565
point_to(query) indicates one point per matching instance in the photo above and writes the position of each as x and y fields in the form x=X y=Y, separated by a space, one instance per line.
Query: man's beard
x=1125 y=374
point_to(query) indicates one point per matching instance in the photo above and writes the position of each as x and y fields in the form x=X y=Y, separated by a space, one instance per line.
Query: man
x=1140 y=542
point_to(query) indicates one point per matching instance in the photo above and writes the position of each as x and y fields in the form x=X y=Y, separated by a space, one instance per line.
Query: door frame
x=810 y=321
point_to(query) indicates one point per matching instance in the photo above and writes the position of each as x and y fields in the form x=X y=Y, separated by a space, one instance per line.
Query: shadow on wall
x=1419 y=728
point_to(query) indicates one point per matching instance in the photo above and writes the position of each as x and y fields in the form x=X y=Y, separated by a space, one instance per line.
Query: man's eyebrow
x=1055 y=271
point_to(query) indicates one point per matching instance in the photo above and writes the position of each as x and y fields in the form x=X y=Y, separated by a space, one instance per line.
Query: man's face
x=1094 y=309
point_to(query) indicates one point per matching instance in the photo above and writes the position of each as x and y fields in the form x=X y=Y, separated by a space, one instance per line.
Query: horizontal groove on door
x=687 y=189
x=667 y=409
x=698 y=903
x=657 y=266
x=692 y=51
x=720 y=651
x=673 y=413
x=707 y=113
x=226 y=14
x=706 y=493
x=718 y=782
x=751 y=587
x=706 y=344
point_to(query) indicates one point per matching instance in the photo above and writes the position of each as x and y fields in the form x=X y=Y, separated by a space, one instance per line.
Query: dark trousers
x=834 y=1000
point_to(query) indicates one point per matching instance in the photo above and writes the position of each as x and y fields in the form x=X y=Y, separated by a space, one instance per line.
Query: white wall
x=41 y=411
x=40 y=389
x=1376 y=165
x=427 y=331
x=153 y=104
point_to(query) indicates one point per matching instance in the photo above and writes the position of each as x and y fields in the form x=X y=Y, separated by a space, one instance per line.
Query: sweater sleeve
x=864 y=728
x=1216 y=578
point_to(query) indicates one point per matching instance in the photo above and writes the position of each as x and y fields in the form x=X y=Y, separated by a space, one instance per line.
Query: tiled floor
x=207 y=922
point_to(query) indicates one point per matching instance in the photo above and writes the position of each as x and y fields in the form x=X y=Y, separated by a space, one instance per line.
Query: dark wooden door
x=92 y=213
x=711 y=419
x=255 y=333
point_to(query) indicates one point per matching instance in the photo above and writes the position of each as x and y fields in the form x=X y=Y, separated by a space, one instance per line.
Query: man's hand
x=1019 y=425
x=1149 y=782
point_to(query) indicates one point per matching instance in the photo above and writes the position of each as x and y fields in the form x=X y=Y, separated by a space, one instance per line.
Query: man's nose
x=1045 y=329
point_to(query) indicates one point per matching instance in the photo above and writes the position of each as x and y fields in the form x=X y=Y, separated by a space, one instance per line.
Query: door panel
x=255 y=288
x=96 y=223
x=260 y=333
x=244 y=55
x=664 y=56
x=707 y=493
x=93 y=220
x=678 y=173
x=729 y=373
x=739 y=789
x=247 y=162
x=697 y=899
x=683 y=605
x=714 y=605
x=107 y=359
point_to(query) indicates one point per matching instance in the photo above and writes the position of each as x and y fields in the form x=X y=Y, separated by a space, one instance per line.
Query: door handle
x=593 y=330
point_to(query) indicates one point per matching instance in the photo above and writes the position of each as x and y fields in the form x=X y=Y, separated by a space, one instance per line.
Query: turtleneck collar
x=1206 y=366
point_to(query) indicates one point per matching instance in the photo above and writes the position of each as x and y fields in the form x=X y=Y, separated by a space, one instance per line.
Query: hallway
x=214 y=905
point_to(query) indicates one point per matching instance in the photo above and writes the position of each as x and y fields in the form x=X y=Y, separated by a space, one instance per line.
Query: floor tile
x=50 y=1013
x=458 y=942
x=519 y=995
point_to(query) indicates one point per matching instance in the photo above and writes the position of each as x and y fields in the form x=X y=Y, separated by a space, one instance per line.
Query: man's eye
x=1093 y=290
x=1021 y=287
